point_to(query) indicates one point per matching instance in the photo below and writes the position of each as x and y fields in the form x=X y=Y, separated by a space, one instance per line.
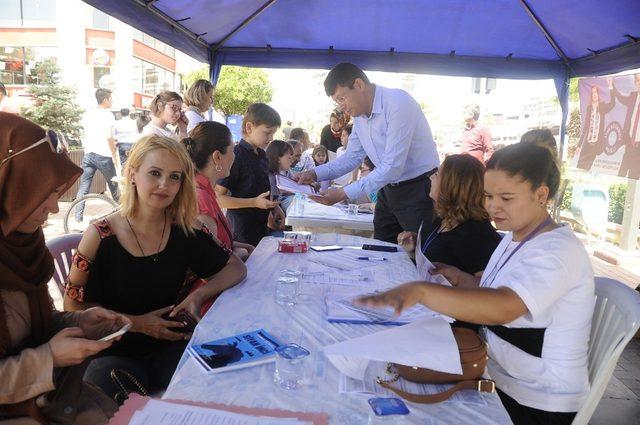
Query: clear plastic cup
x=287 y=287
x=290 y=365
x=353 y=210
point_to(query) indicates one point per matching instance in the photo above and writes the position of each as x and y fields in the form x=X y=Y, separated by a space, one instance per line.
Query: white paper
x=356 y=278
x=288 y=185
x=157 y=412
x=426 y=343
x=424 y=266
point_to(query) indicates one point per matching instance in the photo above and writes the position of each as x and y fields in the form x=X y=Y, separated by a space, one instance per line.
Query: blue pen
x=372 y=258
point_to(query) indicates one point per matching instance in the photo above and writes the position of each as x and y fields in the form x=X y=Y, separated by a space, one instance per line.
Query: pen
x=372 y=258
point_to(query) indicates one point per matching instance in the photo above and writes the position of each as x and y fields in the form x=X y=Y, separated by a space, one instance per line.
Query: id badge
x=385 y=406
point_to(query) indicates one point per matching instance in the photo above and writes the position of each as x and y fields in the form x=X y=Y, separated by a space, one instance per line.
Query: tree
x=200 y=74
x=239 y=87
x=53 y=105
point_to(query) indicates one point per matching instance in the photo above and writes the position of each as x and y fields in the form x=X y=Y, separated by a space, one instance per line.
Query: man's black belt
x=529 y=340
x=413 y=180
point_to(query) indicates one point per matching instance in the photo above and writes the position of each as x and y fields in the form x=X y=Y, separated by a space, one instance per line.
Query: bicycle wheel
x=85 y=209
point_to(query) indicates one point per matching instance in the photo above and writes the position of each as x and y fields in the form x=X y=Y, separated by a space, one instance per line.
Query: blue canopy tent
x=519 y=39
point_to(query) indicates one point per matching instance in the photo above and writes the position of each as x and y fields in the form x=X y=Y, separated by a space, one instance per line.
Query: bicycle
x=96 y=206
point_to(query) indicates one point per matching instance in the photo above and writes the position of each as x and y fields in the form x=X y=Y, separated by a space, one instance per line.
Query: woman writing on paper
x=136 y=261
x=461 y=234
x=535 y=298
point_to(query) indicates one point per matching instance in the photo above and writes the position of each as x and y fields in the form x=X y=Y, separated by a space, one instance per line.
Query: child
x=344 y=139
x=305 y=162
x=166 y=110
x=245 y=192
x=320 y=156
x=280 y=156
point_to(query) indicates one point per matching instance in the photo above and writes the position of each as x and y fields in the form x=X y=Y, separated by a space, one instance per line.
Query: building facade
x=91 y=48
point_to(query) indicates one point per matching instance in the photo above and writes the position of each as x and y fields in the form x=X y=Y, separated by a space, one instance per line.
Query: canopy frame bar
x=148 y=4
x=546 y=32
x=265 y=6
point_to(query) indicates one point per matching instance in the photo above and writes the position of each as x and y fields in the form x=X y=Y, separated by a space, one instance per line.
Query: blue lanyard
x=496 y=269
x=432 y=236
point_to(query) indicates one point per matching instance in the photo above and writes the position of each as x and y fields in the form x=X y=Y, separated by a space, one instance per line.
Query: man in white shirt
x=99 y=147
x=390 y=128
x=125 y=133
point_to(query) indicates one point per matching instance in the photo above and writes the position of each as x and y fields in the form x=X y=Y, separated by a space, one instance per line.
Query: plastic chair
x=62 y=249
x=616 y=319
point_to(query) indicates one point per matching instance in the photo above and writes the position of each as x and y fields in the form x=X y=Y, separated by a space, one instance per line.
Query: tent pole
x=149 y=6
x=544 y=30
x=243 y=24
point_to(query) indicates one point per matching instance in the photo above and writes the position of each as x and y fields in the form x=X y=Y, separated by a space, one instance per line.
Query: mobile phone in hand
x=117 y=333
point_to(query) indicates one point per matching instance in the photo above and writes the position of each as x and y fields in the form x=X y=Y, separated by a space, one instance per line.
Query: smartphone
x=117 y=333
x=384 y=248
x=326 y=248
x=385 y=406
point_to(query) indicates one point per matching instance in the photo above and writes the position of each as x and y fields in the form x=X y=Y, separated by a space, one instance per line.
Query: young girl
x=198 y=99
x=166 y=109
x=136 y=259
x=280 y=156
x=535 y=297
x=344 y=139
x=210 y=146
x=320 y=155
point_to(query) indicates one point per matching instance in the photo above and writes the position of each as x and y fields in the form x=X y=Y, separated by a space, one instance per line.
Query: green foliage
x=53 y=105
x=200 y=74
x=573 y=131
x=573 y=90
x=617 y=198
x=239 y=87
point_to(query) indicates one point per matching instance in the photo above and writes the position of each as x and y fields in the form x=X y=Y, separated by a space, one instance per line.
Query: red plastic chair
x=62 y=248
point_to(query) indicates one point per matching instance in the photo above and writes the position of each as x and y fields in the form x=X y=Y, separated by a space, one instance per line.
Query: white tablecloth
x=250 y=305
x=315 y=215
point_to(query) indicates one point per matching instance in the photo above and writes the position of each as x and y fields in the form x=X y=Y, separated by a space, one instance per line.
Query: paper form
x=425 y=343
x=358 y=278
x=158 y=412
x=288 y=185
x=425 y=266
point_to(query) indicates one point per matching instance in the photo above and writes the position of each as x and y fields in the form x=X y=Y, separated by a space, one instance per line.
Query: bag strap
x=482 y=385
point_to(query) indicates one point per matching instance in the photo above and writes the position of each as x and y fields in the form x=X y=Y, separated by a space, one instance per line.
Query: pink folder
x=137 y=402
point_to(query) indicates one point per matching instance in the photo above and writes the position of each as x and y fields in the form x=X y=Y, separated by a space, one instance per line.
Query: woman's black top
x=328 y=140
x=134 y=285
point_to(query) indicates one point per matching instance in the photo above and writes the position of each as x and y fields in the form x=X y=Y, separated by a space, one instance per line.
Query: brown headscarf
x=26 y=181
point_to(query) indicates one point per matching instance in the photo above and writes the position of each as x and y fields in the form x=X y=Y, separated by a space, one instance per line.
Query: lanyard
x=432 y=236
x=496 y=269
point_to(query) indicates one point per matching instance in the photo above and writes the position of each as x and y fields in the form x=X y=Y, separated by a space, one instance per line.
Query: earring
x=218 y=168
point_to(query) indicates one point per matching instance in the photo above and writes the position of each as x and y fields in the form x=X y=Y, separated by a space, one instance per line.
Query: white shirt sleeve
x=344 y=164
x=401 y=121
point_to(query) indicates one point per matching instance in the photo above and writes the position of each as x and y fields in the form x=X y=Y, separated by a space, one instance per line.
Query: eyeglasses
x=57 y=145
x=174 y=108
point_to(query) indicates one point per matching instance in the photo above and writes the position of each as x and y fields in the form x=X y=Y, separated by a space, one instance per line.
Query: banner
x=610 y=126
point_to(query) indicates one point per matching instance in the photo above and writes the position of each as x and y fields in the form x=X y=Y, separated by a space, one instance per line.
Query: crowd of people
x=160 y=260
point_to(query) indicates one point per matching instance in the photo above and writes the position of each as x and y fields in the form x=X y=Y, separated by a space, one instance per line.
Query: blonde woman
x=166 y=110
x=198 y=99
x=135 y=261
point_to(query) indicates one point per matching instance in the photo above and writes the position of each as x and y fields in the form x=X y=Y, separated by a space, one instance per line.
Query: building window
x=18 y=65
x=100 y=20
x=10 y=13
x=151 y=79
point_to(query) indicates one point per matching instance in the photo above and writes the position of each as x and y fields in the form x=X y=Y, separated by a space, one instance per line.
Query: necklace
x=155 y=257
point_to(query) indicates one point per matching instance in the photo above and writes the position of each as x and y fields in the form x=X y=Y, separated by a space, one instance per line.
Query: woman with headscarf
x=331 y=133
x=38 y=344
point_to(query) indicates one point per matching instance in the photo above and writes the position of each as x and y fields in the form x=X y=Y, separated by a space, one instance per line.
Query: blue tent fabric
x=320 y=33
x=519 y=39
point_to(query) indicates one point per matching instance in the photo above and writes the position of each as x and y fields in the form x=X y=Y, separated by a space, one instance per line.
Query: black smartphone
x=383 y=248
x=182 y=317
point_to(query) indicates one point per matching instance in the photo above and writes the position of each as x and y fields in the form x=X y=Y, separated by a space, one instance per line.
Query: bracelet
x=75 y=293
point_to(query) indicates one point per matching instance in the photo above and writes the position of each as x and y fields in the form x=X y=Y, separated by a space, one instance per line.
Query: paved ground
x=620 y=405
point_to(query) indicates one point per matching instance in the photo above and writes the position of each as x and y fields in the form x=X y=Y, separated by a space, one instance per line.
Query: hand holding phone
x=117 y=333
